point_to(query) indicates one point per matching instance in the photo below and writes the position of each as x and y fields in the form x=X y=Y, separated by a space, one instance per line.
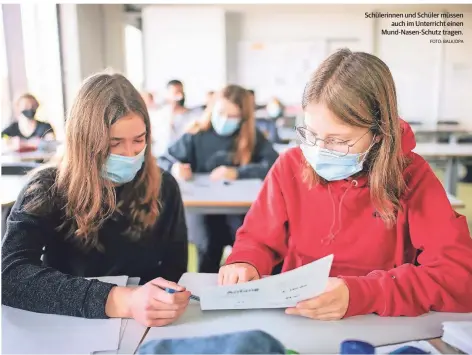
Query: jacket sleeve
x=28 y=285
x=174 y=264
x=442 y=281
x=181 y=151
x=262 y=239
x=264 y=157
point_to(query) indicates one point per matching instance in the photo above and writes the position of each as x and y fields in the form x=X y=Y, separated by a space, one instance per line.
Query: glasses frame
x=301 y=129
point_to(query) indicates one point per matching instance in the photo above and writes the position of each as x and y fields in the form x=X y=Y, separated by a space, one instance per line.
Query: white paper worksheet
x=279 y=291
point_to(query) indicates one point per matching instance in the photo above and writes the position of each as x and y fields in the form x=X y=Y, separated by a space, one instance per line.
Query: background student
x=26 y=127
x=226 y=144
x=172 y=119
x=106 y=209
x=355 y=189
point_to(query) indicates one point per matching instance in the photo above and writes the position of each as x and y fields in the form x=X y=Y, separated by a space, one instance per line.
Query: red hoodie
x=290 y=222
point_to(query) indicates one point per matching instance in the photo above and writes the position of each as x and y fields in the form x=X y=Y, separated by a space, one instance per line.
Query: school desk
x=300 y=334
x=452 y=131
x=452 y=153
x=202 y=195
x=10 y=187
x=199 y=195
x=131 y=333
x=13 y=157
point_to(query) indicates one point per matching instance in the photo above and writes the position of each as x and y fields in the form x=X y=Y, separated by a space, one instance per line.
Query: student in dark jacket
x=25 y=126
x=227 y=145
x=106 y=209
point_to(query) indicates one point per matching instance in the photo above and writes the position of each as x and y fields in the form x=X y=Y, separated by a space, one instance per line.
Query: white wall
x=434 y=81
x=185 y=43
x=92 y=38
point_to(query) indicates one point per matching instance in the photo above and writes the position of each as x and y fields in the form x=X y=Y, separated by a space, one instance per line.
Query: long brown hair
x=88 y=199
x=359 y=88
x=246 y=139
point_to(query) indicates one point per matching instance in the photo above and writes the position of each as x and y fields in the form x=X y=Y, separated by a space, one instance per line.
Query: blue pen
x=192 y=297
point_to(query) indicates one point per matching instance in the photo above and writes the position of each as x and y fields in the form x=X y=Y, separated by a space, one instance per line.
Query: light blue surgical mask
x=223 y=125
x=274 y=111
x=121 y=169
x=330 y=166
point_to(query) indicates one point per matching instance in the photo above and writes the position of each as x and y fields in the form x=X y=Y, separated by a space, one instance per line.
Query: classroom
x=191 y=178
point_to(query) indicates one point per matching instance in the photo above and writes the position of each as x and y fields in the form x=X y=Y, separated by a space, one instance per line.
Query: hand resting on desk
x=224 y=173
x=149 y=304
x=330 y=305
x=182 y=171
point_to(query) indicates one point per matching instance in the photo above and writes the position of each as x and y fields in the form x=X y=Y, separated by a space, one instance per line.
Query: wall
x=15 y=59
x=186 y=43
x=92 y=38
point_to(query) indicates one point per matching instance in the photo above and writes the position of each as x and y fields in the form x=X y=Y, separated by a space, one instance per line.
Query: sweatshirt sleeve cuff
x=96 y=299
x=365 y=295
x=262 y=264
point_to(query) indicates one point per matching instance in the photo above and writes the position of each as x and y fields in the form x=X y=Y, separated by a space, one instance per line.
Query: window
x=134 y=56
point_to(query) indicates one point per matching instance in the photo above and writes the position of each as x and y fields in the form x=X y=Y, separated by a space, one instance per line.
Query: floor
x=464 y=193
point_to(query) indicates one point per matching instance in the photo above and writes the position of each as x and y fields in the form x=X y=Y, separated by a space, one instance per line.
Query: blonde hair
x=246 y=140
x=88 y=199
x=358 y=87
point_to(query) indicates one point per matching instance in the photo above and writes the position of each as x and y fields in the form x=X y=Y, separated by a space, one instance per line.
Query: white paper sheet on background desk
x=279 y=291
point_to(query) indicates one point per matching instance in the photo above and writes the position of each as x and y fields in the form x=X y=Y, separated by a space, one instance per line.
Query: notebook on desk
x=37 y=333
x=458 y=335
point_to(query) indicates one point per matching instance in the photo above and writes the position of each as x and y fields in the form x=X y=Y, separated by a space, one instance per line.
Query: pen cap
x=356 y=347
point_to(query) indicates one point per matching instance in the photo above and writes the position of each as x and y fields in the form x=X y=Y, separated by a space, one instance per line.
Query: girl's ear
x=378 y=138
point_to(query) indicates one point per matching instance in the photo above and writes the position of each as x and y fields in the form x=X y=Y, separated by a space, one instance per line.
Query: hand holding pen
x=152 y=306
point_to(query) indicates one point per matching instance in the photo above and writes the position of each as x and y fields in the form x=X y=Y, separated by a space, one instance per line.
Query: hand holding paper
x=330 y=305
x=237 y=273
x=280 y=291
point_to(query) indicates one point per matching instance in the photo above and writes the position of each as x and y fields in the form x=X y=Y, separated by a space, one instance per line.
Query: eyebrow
x=120 y=139
x=328 y=135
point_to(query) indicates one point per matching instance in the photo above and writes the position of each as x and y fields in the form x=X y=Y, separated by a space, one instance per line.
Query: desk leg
x=450 y=180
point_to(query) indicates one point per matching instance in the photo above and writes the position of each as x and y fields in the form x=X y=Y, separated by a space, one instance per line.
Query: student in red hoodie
x=355 y=189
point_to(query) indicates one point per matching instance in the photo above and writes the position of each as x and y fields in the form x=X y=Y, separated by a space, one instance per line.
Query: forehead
x=229 y=107
x=175 y=88
x=128 y=126
x=26 y=102
x=320 y=119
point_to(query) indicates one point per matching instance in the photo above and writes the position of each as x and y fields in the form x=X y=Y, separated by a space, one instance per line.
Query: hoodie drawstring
x=331 y=235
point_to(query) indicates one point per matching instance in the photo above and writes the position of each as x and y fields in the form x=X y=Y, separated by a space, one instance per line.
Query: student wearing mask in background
x=274 y=109
x=355 y=189
x=171 y=121
x=27 y=128
x=105 y=210
x=226 y=144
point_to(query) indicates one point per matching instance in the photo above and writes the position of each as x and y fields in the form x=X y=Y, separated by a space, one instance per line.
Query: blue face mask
x=274 y=111
x=223 y=125
x=331 y=167
x=121 y=169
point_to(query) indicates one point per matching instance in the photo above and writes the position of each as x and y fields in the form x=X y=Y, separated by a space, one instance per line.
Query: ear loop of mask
x=364 y=155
